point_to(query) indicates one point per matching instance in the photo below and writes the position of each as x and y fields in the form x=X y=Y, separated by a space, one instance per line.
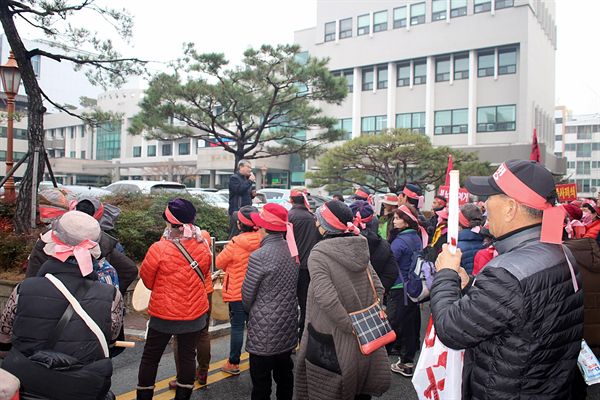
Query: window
x=558 y=138
x=442 y=69
x=329 y=31
x=500 y=4
x=596 y=147
x=382 y=77
x=558 y=120
x=584 y=149
x=583 y=185
x=420 y=72
x=35 y=63
x=458 y=8
x=367 y=78
x=363 y=25
x=184 y=149
x=595 y=164
x=373 y=124
x=83 y=154
x=451 y=121
x=570 y=146
x=558 y=154
x=151 y=150
x=414 y=121
x=72 y=154
x=571 y=164
x=167 y=149
x=571 y=129
x=380 y=21
x=507 y=61
x=400 y=17
x=498 y=118
x=461 y=66
x=417 y=14
x=345 y=125
x=345 y=28
x=61 y=133
x=485 y=63
x=482 y=6
x=349 y=75
x=137 y=151
x=584 y=132
x=403 y=74
x=82 y=130
x=438 y=10
x=583 y=168
x=108 y=141
x=72 y=132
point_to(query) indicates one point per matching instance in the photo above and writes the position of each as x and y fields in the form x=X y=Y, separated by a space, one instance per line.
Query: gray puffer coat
x=269 y=297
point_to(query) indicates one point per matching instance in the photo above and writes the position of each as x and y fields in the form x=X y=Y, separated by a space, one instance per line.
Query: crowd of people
x=518 y=295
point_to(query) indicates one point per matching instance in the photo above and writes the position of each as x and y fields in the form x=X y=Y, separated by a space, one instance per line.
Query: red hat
x=573 y=211
x=274 y=217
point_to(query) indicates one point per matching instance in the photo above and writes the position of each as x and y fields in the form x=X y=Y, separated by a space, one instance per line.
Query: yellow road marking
x=158 y=386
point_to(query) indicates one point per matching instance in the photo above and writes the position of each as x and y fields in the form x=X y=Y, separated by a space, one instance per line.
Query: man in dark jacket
x=240 y=192
x=521 y=321
x=269 y=298
x=307 y=235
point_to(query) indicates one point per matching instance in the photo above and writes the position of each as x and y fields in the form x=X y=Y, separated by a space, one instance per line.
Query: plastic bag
x=588 y=364
x=438 y=374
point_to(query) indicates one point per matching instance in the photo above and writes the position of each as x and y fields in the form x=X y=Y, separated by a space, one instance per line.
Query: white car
x=146 y=187
x=88 y=191
x=215 y=199
x=279 y=196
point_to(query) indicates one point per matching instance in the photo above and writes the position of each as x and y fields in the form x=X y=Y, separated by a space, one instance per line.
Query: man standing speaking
x=240 y=192
x=521 y=320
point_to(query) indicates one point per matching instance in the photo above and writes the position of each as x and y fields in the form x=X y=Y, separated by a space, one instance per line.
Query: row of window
x=489 y=119
x=167 y=150
x=379 y=23
x=18 y=133
x=17 y=155
x=486 y=64
x=585 y=185
x=73 y=154
x=582 y=149
x=60 y=133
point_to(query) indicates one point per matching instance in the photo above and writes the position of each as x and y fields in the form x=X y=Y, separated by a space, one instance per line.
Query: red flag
x=448 y=169
x=535 y=148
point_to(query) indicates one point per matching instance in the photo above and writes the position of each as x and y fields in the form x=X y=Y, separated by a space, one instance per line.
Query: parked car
x=146 y=187
x=279 y=196
x=215 y=199
x=81 y=191
x=258 y=201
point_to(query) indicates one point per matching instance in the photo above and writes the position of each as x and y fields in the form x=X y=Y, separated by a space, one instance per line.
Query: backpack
x=107 y=273
x=420 y=278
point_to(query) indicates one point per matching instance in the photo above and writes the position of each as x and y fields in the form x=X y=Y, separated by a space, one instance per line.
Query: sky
x=231 y=26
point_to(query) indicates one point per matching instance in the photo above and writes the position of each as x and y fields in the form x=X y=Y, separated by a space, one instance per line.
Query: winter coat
x=329 y=363
x=269 y=297
x=234 y=261
x=125 y=267
x=382 y=259
x=305 y=231
x=521 y=322
x=587 y=254
x=469 y=243
x=178 y=294
x=482 y=257
x=386 y=224
x=240 y=192
x=592 y=230
x=403 y=247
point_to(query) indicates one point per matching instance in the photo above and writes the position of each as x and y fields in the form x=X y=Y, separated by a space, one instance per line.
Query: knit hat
x=74 y=234
x=105 y=214
x=470 y=216
x=363 y=213
x=244 y=215
x=336 y=218
x=573 y=211
x=181 y=212
x=274 y=217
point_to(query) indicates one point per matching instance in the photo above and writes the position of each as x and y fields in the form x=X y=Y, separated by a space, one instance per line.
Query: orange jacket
x=592 y=230
x=234 y=261
x=177 y=292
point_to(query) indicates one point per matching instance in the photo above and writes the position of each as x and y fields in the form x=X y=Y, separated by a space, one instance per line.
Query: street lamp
x=263 y=171
x=11 y=79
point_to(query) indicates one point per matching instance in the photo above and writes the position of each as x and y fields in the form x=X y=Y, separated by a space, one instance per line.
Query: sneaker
x=405 y=369
x=233 y=369
x=201 y=377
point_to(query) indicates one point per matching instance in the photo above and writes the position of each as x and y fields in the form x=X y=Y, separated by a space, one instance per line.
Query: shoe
x=201 y=377
x=173 y=384
x=183 y=393
x=144 y=394
x=233 y=369
x=405 y=369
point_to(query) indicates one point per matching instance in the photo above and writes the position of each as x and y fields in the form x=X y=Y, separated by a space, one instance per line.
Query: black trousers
x=156 y=342
x=406 y=322
x=280 y=367
x=303 y=282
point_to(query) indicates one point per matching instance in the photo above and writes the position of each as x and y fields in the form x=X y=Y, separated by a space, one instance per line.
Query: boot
x=183 y=393
x=144 y=394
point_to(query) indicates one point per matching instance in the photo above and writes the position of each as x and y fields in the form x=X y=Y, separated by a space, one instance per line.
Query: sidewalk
x=135 y=327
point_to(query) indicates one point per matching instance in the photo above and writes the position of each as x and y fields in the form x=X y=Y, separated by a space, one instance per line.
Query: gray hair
x=242 y=163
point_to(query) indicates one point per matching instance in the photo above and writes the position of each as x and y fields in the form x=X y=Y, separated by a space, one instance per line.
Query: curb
x=214 y=331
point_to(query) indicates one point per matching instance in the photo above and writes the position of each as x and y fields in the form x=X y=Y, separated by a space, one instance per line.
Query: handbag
x=371 y=326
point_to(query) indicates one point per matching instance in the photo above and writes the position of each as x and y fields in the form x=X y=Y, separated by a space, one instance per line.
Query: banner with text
x=463 y=194
x=566 y=192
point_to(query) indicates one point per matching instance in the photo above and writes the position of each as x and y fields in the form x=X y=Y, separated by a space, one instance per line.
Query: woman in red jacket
x=592 y=226
x=178 y=304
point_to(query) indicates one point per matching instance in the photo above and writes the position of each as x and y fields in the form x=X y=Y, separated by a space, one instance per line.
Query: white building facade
x=472 y=74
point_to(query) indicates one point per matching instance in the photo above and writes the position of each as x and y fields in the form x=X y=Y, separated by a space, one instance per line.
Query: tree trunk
x=35 y=122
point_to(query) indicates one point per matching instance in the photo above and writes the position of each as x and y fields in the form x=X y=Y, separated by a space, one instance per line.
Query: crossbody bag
x=193 y=263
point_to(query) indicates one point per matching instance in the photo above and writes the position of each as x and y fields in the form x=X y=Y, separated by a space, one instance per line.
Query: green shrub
x=141 y=224
x=14 y=250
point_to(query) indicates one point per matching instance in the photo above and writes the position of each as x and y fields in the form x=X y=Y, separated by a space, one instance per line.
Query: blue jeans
x=238 y=318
